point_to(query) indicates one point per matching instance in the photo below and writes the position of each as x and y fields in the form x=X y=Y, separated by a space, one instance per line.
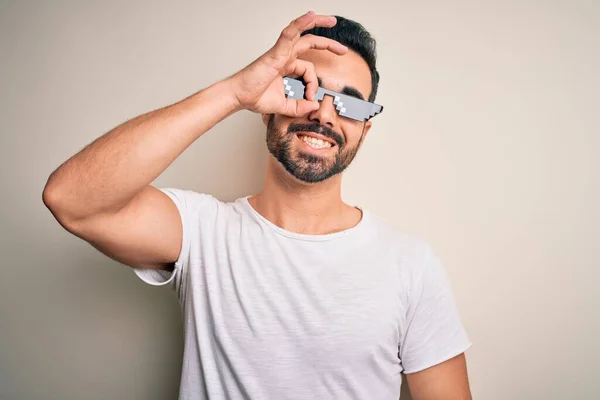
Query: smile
x=316 y=142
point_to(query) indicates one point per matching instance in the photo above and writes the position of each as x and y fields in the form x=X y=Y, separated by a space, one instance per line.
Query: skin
x=445 y=381
x=317 y=208
x=103 y=193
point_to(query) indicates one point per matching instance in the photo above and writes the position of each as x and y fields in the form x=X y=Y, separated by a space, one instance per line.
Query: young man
x=291 y=293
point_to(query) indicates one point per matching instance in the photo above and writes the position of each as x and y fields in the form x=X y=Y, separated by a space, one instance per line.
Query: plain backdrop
x=486 y=149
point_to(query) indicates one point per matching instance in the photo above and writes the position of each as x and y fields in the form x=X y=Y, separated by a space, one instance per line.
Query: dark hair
x=353 y=35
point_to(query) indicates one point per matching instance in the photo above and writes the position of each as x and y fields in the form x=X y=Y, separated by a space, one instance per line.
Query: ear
x=367 y=128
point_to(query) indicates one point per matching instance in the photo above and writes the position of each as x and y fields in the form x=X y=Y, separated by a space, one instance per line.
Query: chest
x=306 y=302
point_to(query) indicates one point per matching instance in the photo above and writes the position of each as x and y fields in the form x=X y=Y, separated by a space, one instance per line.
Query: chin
x=310 y=175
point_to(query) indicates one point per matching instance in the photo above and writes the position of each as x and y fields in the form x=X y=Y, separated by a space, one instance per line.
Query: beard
x=304 y=166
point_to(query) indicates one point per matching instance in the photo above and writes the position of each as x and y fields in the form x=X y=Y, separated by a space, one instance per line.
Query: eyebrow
x=347 y=90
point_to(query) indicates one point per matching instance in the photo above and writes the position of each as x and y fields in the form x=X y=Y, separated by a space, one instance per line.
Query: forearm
x=109 y=172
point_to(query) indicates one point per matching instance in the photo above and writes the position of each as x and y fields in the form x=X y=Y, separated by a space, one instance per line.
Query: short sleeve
x=185 y=201
x=434 y=331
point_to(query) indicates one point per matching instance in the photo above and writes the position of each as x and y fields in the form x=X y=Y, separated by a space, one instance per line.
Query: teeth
x=315 y=143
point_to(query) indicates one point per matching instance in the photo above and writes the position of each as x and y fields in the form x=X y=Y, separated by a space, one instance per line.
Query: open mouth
x=315 y=142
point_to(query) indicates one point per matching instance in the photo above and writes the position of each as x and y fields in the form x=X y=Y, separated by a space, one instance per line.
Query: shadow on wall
x=136 y=330
x=404 y=393
x=88 y=328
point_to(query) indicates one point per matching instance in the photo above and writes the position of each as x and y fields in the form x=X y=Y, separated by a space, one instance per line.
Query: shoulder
x=187 y=196
x=194 y=205
x=420 y=270
x=412 y=255
x=192 y=200
x=404 y=243
x=194 y=208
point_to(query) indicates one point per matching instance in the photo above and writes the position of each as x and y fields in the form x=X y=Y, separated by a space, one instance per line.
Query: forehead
x=336 y=71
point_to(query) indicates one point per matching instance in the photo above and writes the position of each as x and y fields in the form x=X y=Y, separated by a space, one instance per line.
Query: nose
x=325 y=114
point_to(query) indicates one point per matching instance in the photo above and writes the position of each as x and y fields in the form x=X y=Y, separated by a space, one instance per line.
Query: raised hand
x=259 y=86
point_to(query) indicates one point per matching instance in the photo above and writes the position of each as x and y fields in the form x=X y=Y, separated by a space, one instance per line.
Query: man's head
x=322 y=144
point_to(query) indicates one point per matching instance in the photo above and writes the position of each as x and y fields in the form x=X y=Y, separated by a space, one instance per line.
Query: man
x=291 y=293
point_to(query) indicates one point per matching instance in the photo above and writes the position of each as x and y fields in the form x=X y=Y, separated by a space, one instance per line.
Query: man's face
x=321 y=144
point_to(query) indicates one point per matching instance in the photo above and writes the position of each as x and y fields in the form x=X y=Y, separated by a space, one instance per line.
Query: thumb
x=297 y=108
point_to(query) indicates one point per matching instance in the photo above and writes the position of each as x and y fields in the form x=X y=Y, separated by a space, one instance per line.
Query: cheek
x=277 y=124
x=352 y=132
x=283 y=122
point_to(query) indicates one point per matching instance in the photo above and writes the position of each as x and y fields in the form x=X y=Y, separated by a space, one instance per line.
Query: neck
x=300 y=207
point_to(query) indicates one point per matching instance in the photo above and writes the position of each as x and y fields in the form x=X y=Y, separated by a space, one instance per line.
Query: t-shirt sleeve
x=434 y=331
x=188 y=205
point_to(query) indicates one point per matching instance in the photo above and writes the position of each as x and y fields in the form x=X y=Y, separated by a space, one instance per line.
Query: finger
x=307 y=71
x=309 y=42
x=291 y=34
x=298 y=108
x=325 y=21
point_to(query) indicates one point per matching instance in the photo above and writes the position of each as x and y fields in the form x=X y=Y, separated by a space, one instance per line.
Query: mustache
x=317 y=128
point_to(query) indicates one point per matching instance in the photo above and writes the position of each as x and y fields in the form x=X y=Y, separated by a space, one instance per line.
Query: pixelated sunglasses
x=347 y=106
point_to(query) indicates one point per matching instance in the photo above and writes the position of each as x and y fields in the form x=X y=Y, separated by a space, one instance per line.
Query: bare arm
x=103 y=194
x=107 y=174
x=445 y=381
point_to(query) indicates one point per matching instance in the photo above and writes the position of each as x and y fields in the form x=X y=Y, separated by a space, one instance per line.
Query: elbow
x=53 y=197
x=50 y=196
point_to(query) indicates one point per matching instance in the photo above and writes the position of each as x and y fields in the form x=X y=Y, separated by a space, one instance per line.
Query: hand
x=259 y=86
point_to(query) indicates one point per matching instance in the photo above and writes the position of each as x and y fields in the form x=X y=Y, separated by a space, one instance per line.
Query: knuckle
x=288 y=32
x=309 y=38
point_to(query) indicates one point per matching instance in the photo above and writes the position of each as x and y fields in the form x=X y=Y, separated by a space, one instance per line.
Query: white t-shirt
x=271 y=314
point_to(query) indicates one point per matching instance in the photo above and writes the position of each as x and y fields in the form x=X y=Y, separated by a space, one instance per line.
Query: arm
x=103 y=195
x=445 y=381
x=433 y=347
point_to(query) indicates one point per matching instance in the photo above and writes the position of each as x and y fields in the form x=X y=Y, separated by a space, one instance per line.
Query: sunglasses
x=347 y=106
